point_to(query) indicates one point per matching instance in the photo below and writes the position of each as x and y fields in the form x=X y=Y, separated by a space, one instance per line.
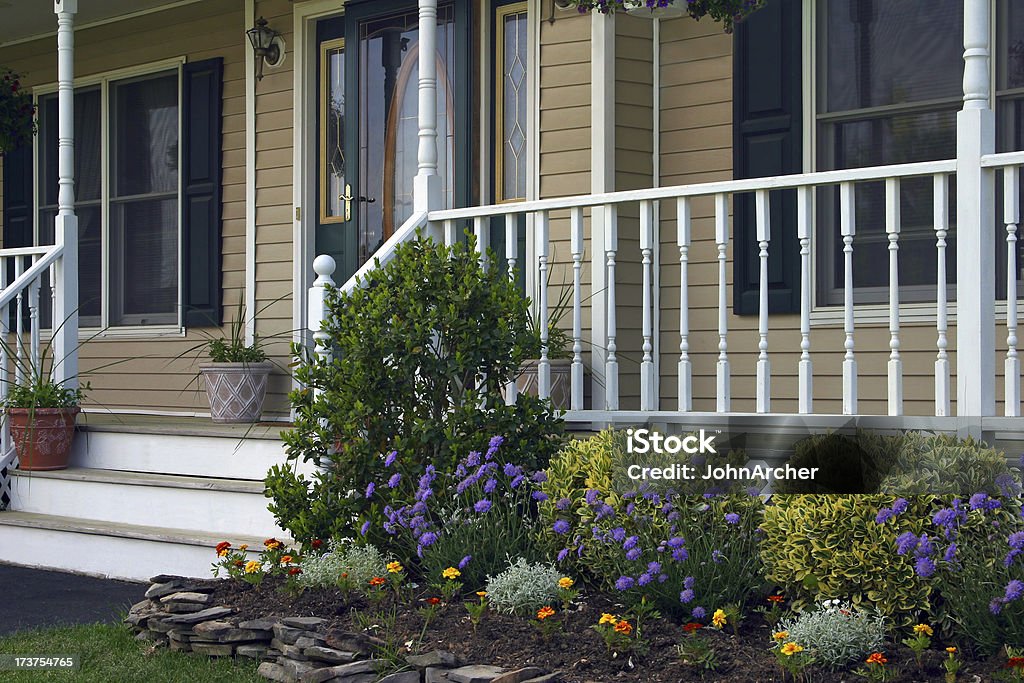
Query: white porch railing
x=20 y=327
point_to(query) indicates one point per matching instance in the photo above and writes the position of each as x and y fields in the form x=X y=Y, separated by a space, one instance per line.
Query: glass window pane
x=512 y=107
x=144 y=261
x=333 y=113
x=145 y=136
x=87 y=147
x=882 y=52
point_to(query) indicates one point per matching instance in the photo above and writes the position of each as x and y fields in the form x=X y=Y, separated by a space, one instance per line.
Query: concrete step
x=109 y=549
x=201 y=504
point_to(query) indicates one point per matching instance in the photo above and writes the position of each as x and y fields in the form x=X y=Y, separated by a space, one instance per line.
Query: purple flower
x=630 y=542
x=688 y=582
x=465 y=561
x=591 y=496
x=698 y=612
x=996 y=606
x=732 y=518
x=950 y=553
x=490 y=485
x=428 y=539
x=884 y=515
x=560 y=527
x=676 y=542
x=1014 y=590
x=924 y=567
x=482 y=505
x=539 y=496
x=687 y=596
x=517 y=481
x=562 y=554
x=906 y=542
x=624 y=583
x=654 y=567
x=366 y=527
x=978 y=500
x=563 y=504
x=390 y=460
x=473 y=459
x=717 y=556
x=680 y=555
x=495 y=443
x=604 y=510
x=662 y=578
x=643 y=579
x=370 y=488
x=395 y=479
x=1016 y=540
x=618 y=534
x=539 y=477
x=633 y=554
x=944 y=517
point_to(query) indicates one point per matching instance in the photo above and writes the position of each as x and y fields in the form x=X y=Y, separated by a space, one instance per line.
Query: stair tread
x=149 y=533
x=147 y=479
x=98 y=422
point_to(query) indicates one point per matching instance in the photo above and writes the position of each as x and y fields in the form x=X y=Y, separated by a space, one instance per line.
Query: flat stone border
x=178 y=613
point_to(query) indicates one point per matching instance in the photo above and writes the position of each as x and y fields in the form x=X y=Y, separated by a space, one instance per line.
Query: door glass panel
x=511 y=104
x=332 y=131
x=388 y=82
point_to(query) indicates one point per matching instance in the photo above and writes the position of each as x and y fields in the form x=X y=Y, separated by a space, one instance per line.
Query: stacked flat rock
x=179 y=613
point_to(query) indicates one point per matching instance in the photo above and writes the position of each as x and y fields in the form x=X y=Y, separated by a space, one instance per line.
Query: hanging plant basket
x=17 y=112
x=726 y=12
x=669 y=9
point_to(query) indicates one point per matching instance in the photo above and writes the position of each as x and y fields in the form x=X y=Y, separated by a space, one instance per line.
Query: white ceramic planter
x=236 y=390
x=638 y=8
x=561 y=381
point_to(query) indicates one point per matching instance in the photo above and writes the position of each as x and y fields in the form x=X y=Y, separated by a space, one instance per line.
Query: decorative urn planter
x=639 y=8
x=42 y=436
x=236 y=390
x=561 y=381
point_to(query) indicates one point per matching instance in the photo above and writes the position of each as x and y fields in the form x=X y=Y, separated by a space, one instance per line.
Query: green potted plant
x=41 y=414
x=17 y=112
x=236 y=376
x=727 y=12
x=559 y=344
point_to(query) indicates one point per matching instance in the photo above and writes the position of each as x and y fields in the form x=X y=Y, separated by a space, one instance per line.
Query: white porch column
x=975 y=217
x=65 y=308
x=427 y=184
x=602 y=179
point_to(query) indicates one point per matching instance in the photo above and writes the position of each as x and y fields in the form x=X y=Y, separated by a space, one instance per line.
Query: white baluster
x=544 y=367
x=19 y=342
x=647 y=379
x=5 y=377
x=576 y=376
x=892 y=229
x=722 y=379
x=848 y=228
x=316 y=312
x=511 y=249
x=33 y=317
x=805 y=229
x=53 y=293
x=1011 y=216
x=611 y=363
x=483 y=238
x=764 y=368
x=683 y=221
x=940 y=201
x=511 y=242
x=451 y=232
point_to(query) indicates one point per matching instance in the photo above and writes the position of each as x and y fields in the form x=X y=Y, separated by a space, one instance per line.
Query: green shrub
x=422 y=352
x=944 y=464
x=836 y=633
x=685 y=552
x=523 y=588
x=829 y=547
x=846 y=464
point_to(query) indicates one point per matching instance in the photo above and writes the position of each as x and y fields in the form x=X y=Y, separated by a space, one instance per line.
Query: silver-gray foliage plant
x=523 y=588
x=360 y=562
x=835 y=633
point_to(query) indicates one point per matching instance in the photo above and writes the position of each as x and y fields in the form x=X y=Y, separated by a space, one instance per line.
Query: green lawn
x=110 y=654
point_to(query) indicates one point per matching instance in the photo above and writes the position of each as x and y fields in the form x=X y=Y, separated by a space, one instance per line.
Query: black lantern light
x=265 y=45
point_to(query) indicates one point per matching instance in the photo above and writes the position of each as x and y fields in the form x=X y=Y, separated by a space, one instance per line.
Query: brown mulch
x=575 y=649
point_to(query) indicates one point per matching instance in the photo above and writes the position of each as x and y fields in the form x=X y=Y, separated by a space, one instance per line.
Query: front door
x=367 y=122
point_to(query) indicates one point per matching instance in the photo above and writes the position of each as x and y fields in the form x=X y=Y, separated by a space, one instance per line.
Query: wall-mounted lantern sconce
x=267 y=45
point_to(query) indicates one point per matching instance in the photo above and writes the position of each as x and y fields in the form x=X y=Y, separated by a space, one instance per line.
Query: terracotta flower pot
x=561 y=381
x=236 y=390
x=42 y=436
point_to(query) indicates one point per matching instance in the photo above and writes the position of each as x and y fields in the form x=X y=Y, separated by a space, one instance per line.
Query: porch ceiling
x=21 y=19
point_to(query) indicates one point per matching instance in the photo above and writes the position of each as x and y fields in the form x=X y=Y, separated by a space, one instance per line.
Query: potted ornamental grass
x=726 y=12
x=236 y=375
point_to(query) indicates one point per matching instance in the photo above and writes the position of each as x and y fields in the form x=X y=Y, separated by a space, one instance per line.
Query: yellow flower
x=451 y=573
x=285 y=559
x=481 y=594
x=780 y=635
x=607 y=619
x=252 y=566
x=923 y=628
x=718 y=619
x=545 y=612
x=790 y=649
x=395 y=567
x=565 y=582
x=243 y=547
x=223 y=553
x=951 y=650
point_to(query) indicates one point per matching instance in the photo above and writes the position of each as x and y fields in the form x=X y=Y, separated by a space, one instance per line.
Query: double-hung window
x=127 y=187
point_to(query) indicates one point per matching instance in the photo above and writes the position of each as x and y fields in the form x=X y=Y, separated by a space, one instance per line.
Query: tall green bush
x=422 y=350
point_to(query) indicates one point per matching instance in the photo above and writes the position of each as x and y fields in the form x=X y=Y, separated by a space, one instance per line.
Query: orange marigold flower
x=378 y=581
x=243 y=547
x=545 y=612
x=344 y=575
x=239 y=563
x=607 y=619
x=433 y=601
x=780 y=635
x=775 y=598
x=565 y=583
x=624 y=628
x=316 y=543
x=395 y=567
x=223 y=553
x=285 y=559
x=1015 y=663
x=481 y=594
x=294 y=571
x=790 y=649
x=877 y=658
x=693 y=626
x=951 y=650
x=252 y=566
x=272 y=544
x=222 y=548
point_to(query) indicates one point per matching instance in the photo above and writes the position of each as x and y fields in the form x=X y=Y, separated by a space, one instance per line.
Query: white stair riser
x=203 y=510
x=107 y=556
x=202 y=456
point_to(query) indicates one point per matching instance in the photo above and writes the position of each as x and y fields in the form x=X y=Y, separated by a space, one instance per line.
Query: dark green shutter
x=18 y=197
x=767 y=141
x=201 y=192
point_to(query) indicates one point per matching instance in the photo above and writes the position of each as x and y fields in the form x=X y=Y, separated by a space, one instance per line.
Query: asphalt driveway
x=34 y=598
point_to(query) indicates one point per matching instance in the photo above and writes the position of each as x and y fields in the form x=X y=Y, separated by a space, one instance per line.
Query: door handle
x=347 y=198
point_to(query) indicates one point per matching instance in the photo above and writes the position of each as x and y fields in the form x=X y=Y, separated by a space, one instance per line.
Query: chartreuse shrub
x=422 y=350
x=687 y=553
x=835 y=633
